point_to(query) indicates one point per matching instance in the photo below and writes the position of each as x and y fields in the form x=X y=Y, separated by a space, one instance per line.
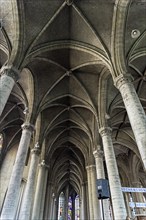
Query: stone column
x=7 y=81
x=51 y=206
x=114 y=179
x=54 y=208
x=138 y=197
x=94 y=206
x=11 y=200
x=29 y=190
x=43 y=202
x=98 y=154
x=48 y=206
x=91 y=215
x=87 y=211
x=127 y=200
x=135 y=112
x=39 y=192
x=83 y=207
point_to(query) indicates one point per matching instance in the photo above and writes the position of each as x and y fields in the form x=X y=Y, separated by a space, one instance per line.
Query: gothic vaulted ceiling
x=68 y=53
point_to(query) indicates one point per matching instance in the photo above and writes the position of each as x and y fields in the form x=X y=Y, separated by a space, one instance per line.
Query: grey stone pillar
x=49 y=201
x=91 y=215
x=127 y=200
x=29 y=190
x=83 y=214
x=11 y=200
x=98 y=154
x=54 y=208
x=43 y=202
x=135 y=112
x=94 y=206
x=39 y=193
x=87 y=211
x=138 y=197
x=53 y=201
x=7 y=81
x=113 y=175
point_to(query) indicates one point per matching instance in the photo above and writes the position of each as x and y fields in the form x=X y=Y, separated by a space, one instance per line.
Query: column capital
x=122 y=79
x=44 y=165
x=98 y=154
x=10 y=71
x=36 y=150
x=90 y=167
x=28 y=126
x=105 y=131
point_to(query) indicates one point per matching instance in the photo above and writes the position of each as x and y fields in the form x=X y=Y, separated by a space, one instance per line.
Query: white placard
x=130 y=189
x=137 y=205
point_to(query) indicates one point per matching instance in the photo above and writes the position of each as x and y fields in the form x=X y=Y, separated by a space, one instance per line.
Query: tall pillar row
x=113 y=175
x=135 y=111
x=7 y=81
x=26 y=206
x=11 y=200
x=98 y=154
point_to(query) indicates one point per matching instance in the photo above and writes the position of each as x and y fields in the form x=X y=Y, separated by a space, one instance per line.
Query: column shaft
x=49 y=202
x=54 y=208
x=135 y=112
x=39 y=192
x=91 y=215
x=93 y=200
x=11 y=200
x=57 y=207
x=29 y=190
x=7 y=81
x=96 y=205
x=43 y=195
x=98 y=154
x=114 y=180
x=83 y=204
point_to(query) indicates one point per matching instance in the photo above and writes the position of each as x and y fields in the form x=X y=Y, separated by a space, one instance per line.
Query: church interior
x=73 y=109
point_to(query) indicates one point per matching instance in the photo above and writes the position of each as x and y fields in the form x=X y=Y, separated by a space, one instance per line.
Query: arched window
x=61 y=208
x=77 y=207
